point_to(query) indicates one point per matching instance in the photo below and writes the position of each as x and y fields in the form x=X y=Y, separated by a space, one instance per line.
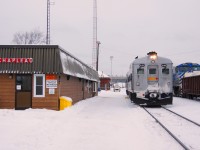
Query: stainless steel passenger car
x=149 y=80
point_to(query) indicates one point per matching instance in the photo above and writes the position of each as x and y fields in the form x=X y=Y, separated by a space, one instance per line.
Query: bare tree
x=33 y=37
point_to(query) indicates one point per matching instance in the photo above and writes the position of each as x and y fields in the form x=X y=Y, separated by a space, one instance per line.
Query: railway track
x=177 y=126
x=181 y=116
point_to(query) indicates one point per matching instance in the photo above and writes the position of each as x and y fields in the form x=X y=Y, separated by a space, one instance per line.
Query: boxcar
x=191 y=85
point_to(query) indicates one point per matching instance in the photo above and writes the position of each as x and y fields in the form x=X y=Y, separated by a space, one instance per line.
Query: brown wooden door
x=23 y=91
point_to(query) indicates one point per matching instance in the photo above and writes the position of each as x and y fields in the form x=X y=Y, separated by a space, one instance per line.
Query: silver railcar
x=149 y=80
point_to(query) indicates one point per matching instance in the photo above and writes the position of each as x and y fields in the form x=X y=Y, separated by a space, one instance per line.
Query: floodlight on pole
x=111 y=58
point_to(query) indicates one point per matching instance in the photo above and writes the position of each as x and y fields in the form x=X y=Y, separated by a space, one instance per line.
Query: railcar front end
x=151 y=81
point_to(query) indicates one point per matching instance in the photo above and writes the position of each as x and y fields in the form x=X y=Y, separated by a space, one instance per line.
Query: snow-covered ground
x=106 y=122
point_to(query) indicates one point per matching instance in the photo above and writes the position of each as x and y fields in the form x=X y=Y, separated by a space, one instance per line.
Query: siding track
x=181 y=116
x=176 y=125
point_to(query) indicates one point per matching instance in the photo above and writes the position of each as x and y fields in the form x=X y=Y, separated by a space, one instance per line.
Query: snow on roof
x=102 y=75
x=191 y=74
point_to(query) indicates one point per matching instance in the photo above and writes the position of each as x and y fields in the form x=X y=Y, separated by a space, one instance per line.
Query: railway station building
x=104 y=81
x=36 y=76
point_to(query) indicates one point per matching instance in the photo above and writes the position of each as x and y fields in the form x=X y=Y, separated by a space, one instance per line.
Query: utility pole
x=97 y=65
x=111 y=58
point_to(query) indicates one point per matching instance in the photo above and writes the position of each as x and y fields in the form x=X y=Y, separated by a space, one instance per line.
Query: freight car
x=179 y=73
x=149 y=80
x=191 y=85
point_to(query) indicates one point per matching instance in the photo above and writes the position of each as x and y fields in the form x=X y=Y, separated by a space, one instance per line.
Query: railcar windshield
x=197 y=68
x=152 y=71
x=187 y=68
x=140 y=71
x=165 y=71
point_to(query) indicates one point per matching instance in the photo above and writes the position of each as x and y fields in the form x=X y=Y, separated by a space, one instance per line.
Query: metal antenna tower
x=94 y=51
x=48 y=23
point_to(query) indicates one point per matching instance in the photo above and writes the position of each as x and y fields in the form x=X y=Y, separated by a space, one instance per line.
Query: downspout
x=59 y=84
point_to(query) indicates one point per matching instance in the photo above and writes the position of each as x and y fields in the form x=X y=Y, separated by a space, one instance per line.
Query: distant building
x=118 y=79
x=104 y=81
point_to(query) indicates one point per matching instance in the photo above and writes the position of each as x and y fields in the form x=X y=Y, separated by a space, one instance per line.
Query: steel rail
x=168 y=131
x=181 y=116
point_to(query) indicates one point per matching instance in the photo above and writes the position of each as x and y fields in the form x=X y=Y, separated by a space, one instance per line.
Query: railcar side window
x=176 y=69
x=196 y=68
x=140 y=71
x=152 y=71
x=130 y=77
x=165 y=71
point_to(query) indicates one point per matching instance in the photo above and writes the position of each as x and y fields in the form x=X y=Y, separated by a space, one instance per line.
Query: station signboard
x=51 y=81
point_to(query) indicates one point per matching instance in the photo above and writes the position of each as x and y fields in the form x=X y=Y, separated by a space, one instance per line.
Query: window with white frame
x=88 y=86
x=39 y=85
x=94 y=86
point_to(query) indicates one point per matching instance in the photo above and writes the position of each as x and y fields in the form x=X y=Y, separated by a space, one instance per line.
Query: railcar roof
x=188 y=64
x=146 y=60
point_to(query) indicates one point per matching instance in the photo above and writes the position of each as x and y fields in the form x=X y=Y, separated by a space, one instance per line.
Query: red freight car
x=191 y=86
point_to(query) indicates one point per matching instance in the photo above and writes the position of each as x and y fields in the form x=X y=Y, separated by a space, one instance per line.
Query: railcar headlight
x=153 y=57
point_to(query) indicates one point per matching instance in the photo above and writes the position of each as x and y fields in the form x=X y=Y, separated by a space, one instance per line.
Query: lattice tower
x=94 y=51
x=48 y=23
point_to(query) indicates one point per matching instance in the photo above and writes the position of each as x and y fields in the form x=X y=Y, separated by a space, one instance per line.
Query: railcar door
x=23 y=92
x=152 y=75
x=140 y=83
x=166 y=79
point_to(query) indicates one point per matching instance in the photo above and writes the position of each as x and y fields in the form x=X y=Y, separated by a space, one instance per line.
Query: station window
x=94 y=86
x=89 y=86
x=39 y=85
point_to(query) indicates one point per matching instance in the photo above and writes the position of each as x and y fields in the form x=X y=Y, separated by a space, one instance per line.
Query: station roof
x=43 y=59
x=103 y=75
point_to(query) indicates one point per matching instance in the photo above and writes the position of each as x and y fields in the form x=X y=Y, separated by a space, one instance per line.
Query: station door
x=23 y=91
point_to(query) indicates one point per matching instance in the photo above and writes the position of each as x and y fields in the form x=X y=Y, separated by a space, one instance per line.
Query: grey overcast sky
x=126 y=28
